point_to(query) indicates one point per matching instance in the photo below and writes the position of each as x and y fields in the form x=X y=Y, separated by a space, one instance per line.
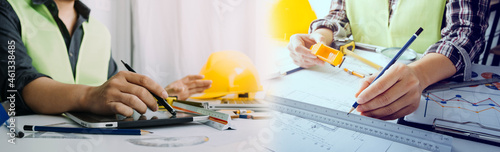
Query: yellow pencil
x=370 y=63
x=354 y=73
x=249 y=117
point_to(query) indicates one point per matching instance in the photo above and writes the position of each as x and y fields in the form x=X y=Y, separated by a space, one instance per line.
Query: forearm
x=465 y=28
x=326 y=35
x=336 y=21
x=432 y=68
x=47 y=96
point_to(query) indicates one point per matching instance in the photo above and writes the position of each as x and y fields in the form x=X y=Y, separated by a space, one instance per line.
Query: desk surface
x=251 y=135
x=327 y=86
x=243 y=138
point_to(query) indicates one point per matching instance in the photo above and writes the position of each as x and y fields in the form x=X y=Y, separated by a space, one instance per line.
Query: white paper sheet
x=325 y=86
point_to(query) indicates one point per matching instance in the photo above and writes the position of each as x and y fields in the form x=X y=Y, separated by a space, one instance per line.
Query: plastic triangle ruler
x=403 y=134
x=216 y=119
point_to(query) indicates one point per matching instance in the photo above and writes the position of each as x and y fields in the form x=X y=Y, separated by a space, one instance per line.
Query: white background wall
x=172 y=38
x=116 y=15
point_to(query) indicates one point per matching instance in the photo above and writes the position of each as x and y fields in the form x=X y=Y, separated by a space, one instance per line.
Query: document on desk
x=321 y=85
x=297 y=134
x=478 y=106
x=328 y=87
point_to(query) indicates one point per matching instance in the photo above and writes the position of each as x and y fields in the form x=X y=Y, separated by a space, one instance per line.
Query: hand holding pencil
x=395 y=92
x=122 y=94
x=393 y=95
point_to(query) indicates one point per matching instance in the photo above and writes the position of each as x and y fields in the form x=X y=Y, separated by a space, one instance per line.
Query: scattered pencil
x=292 y=71
x=243 y=111
x=249 y=117
x=351 y=72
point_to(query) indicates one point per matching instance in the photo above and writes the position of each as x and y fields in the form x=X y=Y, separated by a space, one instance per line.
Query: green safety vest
x=47 y=49
x=369 y=21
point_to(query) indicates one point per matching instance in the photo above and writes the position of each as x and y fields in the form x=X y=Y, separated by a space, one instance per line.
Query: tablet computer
x=150 y=118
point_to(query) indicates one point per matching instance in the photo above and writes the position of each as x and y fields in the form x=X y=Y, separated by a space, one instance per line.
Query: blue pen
x=87 y=130
x=355 y=105
x=292 y=71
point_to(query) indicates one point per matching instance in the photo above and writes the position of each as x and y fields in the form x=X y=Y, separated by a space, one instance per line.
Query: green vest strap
x=370 y=23
x=47 y=49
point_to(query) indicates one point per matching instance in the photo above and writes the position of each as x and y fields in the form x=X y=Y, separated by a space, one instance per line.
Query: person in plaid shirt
x=453 y=36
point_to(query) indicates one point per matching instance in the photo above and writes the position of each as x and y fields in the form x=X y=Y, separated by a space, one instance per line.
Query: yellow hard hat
x=231 y=72
x=290 y=17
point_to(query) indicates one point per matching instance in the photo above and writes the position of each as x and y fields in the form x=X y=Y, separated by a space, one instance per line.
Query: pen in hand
x=355 y=105
x=160 y=100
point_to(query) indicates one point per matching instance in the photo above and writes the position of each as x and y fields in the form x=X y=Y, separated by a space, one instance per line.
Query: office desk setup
x=309 y=109
x=180 y=137
x=312 y=105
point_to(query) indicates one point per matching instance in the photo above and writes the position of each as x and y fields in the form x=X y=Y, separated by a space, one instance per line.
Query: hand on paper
x=187 y=86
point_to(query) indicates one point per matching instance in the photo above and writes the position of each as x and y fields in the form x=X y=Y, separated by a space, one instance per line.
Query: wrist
x=170 y=89
x=84 y=99
x=326 y=33
x=417 y=70
x=432 y=68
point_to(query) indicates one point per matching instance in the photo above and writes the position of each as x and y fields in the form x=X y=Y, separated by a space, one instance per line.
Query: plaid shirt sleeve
x=336 y=20
x=466 y=24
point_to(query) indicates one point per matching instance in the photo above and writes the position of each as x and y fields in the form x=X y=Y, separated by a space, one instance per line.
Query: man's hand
x=397 y=92
x=123 y=93
x=187 y=86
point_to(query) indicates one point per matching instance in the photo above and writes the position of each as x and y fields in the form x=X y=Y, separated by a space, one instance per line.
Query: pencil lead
x=352 y=109
x=146 y=132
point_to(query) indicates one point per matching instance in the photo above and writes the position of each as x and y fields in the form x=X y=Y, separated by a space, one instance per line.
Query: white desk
x=243 y=138
x=252 y=135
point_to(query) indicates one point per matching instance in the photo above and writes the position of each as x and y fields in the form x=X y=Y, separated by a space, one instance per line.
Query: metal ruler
x=443 y=87
x=391 y=131
x=216 y=119
x=54 y=135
